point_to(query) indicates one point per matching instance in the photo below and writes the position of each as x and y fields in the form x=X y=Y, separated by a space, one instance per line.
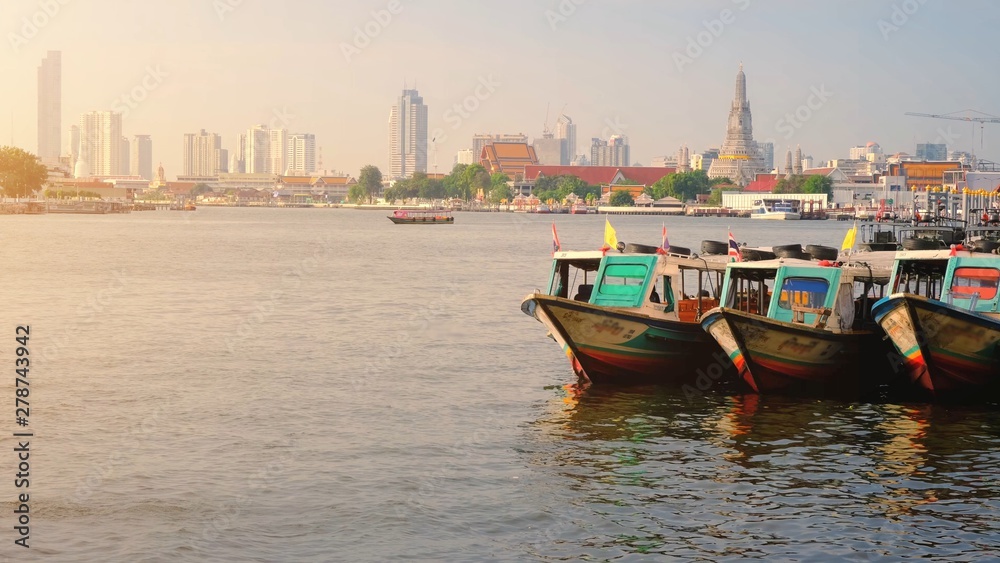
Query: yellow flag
x=852 y=233
x=610 y=238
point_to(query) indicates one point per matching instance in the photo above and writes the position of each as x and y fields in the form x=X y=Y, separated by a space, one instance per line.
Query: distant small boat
x=422 y=217
x=780 y=209
x=543 y=208
x=184 y=207
x=579 y=209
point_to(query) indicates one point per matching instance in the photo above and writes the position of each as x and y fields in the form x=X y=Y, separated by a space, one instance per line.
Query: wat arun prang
x=740 y=159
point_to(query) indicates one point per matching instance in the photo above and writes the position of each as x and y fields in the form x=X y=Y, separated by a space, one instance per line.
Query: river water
x=322 y=385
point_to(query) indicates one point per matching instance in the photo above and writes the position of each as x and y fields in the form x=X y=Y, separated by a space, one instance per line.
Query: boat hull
x=945 y=351
x=777 y=216
x=614 y=345
x=422 y=220
x=779 y=357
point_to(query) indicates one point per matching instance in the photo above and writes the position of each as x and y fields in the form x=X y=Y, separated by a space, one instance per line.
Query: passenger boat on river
x=422 y=217
x=616 y=327
x=943 y=317
x=800 y=326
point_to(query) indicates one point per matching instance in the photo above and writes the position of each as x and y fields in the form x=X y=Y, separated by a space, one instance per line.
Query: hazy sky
x=623 y=66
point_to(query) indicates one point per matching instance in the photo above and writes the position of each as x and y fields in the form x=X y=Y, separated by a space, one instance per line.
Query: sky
x=825 y=76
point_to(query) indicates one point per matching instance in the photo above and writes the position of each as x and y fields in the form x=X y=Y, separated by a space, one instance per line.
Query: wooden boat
x=943 y=319
x=422 y=217
x=617 y=329
x=579 y=209
x=813 y=337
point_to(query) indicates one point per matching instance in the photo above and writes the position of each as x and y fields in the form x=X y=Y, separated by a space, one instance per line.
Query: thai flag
x=555 y=240
x=734 y=249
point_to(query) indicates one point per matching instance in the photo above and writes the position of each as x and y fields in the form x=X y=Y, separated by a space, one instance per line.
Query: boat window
x=804 y=292
x=968 y=281
x=623 y=279
x=667 y=295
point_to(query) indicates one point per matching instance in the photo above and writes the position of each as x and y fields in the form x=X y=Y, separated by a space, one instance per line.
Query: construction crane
x=982 y=121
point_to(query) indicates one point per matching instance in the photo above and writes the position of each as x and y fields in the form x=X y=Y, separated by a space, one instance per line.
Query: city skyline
x=680 y=77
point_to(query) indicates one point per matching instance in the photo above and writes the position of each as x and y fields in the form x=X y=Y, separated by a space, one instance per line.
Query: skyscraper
x=613 y=152
x=124 y=168
x=766 y=155
x=566 y=129
x=238 y=162
x=50 y=108
x=408 y=136
x=256 y=148
x=142 y=157
x=301 y=154
x=932 y=151
x=740 y=159
x=100 y=143
x=201 y=154
x=277 y=151
x=73 y=148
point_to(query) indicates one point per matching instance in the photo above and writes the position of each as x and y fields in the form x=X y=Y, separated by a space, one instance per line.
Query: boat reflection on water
x=746 y=474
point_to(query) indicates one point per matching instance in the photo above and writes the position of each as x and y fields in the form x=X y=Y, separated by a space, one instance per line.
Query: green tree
x=818 y=185
x=621 y=199
x=370 y=181
x=356 y=193
x=661 y=188
x=199 y=189
x=21 y=173
x=499 y=179
x=686 y=186
x=790 y=185
x=499 y=193
x=431 y=189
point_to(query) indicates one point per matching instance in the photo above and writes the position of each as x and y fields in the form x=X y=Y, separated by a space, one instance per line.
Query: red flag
x=665 y=245
x=734 y=249
x=555 y=239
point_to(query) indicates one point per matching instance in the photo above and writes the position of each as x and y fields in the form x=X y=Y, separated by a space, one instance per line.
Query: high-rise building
x=221 y=161
x=73 y=148
x=613 y=152
x=408 y=136
x=464 y=156
x=301 y=154
x=277 y=151
x=550 y=150
x=100 y=143
x=50 y=108
x=740 y=159
x=124 y=162
x=142 y=157
x=238 y=160
x=767 y=155
x=932 y=151
x=256 y=149
x=566 y=130
x=683 y=161
x=201 y=154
